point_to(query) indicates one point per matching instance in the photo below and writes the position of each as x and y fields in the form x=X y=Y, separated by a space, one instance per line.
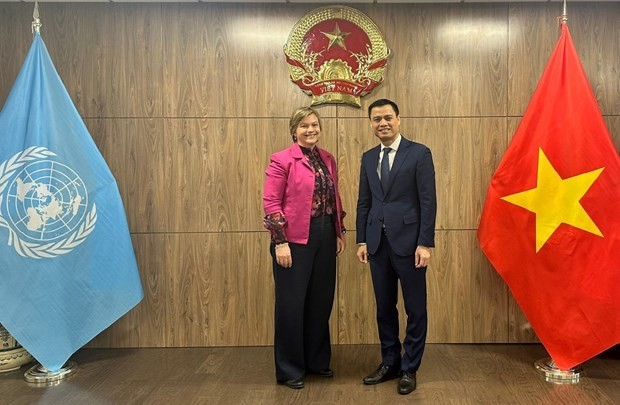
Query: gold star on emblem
x=336 y=37
x=556 y=201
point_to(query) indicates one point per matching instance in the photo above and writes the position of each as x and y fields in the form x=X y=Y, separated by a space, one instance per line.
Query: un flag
x=67 y=265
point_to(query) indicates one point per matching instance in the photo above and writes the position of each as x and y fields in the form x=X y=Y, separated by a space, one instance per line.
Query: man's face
x=385 y=123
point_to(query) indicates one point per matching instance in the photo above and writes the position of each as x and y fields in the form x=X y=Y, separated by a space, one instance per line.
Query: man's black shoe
x=326 y=372
x=383 y=373
x=295 y=384
x=407 y=383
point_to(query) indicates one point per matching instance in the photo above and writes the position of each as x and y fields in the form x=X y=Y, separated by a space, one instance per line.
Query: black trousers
x=304 y=300
x=387 y=268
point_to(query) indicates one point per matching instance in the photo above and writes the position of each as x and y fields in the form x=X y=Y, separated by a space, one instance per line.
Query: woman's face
x=308 y=131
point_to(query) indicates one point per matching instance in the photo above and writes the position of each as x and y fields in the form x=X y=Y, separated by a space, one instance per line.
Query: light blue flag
x=67 y=265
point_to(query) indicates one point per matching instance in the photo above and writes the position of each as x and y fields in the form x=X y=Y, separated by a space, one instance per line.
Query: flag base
x=39 y=375
x=553 y=374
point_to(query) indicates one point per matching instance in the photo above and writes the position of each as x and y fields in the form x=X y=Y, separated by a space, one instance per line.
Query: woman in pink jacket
x=303 y=213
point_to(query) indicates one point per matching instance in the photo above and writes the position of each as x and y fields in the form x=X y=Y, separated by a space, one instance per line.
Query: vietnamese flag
x=551 y=221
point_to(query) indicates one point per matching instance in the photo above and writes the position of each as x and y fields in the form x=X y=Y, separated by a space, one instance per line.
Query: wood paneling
x=221 y=289
x=227 y=60
x=591 y=27
x=356 y=300
x=446 y=60
x=108 y=55
x=613 y=124
x=15 y=40
x=133 y=149
x=534 y=33
x=467 y=300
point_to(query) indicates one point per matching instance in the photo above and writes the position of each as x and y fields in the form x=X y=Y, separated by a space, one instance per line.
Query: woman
x=303 y=213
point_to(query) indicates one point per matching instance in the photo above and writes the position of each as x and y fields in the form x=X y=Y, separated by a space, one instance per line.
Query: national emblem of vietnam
x=336 y=55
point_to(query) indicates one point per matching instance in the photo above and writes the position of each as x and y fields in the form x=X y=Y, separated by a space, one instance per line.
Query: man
x=396 y=211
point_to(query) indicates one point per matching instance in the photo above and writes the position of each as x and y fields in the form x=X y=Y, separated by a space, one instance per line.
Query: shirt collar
x=308 y=151
x=394 y=146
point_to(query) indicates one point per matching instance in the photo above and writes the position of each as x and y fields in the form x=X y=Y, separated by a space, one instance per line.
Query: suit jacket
x=408 y=207
x=289 y=188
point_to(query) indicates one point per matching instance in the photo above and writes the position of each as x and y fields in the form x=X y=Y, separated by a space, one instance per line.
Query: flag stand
x=39 y=375
x=553 y=374
x=546 y=366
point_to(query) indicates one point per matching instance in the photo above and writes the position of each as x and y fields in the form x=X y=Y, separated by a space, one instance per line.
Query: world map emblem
x=44 y=204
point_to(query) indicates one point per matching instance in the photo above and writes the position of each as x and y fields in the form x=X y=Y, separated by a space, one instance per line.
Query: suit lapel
x=327 y=160
x=296 y=153
x=371 y=163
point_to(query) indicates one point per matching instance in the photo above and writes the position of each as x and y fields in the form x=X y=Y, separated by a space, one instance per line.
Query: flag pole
x=12 y=354
x=37 y=374
x=564 y=16
x=546 y=366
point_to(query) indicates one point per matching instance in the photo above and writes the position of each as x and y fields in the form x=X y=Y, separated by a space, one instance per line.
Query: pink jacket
x=289 y=187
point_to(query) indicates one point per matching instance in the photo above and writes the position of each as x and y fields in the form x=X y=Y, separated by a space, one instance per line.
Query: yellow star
x=336 y=37
x=556 y=200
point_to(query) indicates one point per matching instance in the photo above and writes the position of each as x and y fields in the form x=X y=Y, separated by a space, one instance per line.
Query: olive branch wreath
x=34 y=250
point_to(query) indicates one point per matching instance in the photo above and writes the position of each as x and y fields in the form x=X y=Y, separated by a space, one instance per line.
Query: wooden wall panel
x=133 y=149
x=467 y=299
x=227 y=60
x=145 y=325
x=591 y=28
x=108 y=55
x=221 y=290
x=446 y=60
x=534 y=33
x=216 y=170
x=15 y=40
x=613 y=124
x=356 y=301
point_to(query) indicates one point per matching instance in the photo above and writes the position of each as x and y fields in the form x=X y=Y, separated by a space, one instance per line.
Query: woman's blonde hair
x=298 y=116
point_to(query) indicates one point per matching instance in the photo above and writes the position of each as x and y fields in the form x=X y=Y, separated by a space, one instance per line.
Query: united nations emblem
x=336 y=55
x=44 y=204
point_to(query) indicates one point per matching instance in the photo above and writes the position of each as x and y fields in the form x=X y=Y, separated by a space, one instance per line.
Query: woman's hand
x=283 y=255
x=340 y=245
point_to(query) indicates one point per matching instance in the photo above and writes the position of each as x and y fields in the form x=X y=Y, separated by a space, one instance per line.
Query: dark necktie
x=385 y=168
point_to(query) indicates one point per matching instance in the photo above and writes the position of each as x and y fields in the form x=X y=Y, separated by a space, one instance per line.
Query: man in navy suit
x=396 y=211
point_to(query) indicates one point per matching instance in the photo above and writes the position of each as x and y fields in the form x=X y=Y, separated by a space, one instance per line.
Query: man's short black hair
x=380 y=103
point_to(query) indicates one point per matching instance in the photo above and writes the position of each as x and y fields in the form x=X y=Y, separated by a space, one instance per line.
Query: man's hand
x=362 y=253
x=422 y=256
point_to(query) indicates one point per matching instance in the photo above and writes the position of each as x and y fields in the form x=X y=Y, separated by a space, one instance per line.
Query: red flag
x=551 y=221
